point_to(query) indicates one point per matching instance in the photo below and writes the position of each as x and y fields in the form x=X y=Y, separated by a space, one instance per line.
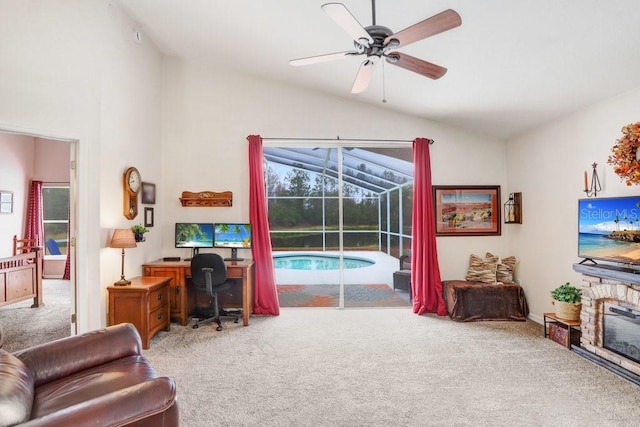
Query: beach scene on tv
x=232 y=235
x=609 y=229
x=194 y=235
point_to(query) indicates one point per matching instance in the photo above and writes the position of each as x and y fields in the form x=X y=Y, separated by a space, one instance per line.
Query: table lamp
x=122 y=238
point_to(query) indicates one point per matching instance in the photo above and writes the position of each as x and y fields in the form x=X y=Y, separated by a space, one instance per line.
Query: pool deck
x=379 y=273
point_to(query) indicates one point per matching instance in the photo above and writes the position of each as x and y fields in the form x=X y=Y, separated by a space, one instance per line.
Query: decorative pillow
x=481 y=270
x=491 y=257
x=506 y=268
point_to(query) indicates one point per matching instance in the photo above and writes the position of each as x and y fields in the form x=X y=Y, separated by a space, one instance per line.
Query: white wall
x=71 y=69
x=209 y=112
x=548 y=166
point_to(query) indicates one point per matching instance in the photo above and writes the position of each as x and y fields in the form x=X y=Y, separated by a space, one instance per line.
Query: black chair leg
x=218 y=314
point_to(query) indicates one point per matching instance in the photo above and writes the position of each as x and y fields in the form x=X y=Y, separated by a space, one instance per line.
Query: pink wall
x=51 y=161
x=24 y=158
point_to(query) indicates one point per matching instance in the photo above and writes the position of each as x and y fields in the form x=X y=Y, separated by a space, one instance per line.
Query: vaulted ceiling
x=512 y=65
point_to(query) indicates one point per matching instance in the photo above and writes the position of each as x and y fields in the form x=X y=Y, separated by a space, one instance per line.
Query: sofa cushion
x=16 y=390
x=58 y=359
x=91 y=383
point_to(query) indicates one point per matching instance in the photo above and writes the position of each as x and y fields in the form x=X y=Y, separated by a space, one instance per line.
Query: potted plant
x=138 y=231
x=567 y=301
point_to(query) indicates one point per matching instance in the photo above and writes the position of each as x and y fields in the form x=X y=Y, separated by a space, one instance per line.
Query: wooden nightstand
x=145 y=303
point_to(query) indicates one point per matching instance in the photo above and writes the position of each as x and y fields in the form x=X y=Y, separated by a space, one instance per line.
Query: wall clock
x=131 y=183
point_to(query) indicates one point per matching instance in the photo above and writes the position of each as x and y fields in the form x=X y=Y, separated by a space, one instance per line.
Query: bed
x=469 y=301
x=21 y=278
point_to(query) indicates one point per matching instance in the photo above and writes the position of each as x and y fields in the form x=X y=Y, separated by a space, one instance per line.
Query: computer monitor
x=233 y=236
x=194 y=235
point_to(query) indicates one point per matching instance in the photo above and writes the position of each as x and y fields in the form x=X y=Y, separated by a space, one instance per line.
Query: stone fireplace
x=621 y=331
x=610 y=316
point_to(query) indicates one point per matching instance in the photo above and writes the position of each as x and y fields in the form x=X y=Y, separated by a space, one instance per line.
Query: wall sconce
x=122 y=238
x=595 y=183
x=513 y=209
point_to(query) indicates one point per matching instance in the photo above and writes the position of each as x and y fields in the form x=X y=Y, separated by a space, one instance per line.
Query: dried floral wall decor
x=625 y=155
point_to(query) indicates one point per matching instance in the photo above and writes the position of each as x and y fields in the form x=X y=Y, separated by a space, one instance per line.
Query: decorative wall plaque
x=207 y=199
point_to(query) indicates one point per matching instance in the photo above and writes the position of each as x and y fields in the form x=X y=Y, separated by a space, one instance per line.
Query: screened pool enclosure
x=315 y=192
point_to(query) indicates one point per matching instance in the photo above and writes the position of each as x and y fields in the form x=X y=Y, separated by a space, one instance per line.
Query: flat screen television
x=233 y=236
x=194 y=235
x=609 y=229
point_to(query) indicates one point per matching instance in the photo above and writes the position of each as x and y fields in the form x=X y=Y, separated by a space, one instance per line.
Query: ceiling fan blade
x=321 y=58
x=341 y=15
x=429 y=27
x=416 y=65
x=364 y=75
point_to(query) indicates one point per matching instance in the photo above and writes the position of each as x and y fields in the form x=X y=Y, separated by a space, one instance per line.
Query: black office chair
x=209 y=274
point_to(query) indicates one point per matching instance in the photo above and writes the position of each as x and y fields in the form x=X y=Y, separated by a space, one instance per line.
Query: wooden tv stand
x=183 y=295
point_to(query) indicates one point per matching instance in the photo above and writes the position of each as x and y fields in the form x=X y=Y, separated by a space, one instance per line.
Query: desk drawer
x=158 y=318
x=158 y=297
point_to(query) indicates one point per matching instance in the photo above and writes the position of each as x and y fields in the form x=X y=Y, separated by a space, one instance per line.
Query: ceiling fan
x=376 y=41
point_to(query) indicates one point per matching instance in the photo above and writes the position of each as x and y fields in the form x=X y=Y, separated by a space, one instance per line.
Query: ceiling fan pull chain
x=384 y=89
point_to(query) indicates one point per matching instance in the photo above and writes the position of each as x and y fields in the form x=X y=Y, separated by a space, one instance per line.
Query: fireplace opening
x=621 y=331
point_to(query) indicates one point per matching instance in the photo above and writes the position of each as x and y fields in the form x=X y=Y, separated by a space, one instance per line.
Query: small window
x=55 y=211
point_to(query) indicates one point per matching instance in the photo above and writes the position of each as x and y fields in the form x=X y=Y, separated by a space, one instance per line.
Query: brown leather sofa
x=99 y=378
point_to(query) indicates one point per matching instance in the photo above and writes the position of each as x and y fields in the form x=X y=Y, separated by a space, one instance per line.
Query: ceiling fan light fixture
x=392 y=58
x=393 y=43
x=361 y=47
x=362 y=42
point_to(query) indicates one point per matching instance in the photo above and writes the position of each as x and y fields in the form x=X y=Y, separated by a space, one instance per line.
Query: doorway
x=50 y=160
x=340 y=217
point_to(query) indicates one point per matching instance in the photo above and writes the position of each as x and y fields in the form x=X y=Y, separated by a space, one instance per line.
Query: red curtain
x=265 y=291
x=34 y=228
x=425 y=272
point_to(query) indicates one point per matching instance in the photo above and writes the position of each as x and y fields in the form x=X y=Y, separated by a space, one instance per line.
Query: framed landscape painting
x=467 y=210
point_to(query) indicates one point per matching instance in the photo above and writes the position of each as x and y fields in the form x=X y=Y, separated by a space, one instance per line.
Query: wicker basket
x=567 y=310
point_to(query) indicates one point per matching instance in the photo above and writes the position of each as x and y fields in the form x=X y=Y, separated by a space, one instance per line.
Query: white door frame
x=73 y=210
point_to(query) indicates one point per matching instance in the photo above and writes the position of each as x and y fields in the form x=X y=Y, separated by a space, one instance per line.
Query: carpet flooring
x=328 y=296
x=385 y=367
x=24 y=326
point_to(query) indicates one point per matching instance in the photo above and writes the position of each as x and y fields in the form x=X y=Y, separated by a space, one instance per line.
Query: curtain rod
x=431 y=141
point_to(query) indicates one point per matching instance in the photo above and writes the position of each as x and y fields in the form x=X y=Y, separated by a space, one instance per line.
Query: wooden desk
x=145 y=303
x=184 y=296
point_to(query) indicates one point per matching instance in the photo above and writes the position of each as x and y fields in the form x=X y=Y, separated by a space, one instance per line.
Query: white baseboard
x=535 y=318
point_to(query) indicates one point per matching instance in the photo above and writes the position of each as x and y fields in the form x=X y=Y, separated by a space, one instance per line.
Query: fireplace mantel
x=607 y=271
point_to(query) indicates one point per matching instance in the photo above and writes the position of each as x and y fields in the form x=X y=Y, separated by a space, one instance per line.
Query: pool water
x=318 y=262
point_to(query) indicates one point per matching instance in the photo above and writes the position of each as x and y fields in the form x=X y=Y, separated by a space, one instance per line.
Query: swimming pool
x=318 y=262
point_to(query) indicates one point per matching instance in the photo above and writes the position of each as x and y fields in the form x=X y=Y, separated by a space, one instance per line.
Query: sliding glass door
x=336 y=221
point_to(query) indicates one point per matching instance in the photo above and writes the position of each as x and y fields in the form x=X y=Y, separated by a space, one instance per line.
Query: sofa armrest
x=66 y=356
x=120 y=408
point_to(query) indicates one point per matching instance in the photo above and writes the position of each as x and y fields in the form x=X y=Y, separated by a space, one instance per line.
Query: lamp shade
x=123 y=238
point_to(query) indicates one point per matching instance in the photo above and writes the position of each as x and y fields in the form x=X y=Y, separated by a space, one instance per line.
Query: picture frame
x=6 y=202
x=467 y=210
x=148 y=217
x=148 y=193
